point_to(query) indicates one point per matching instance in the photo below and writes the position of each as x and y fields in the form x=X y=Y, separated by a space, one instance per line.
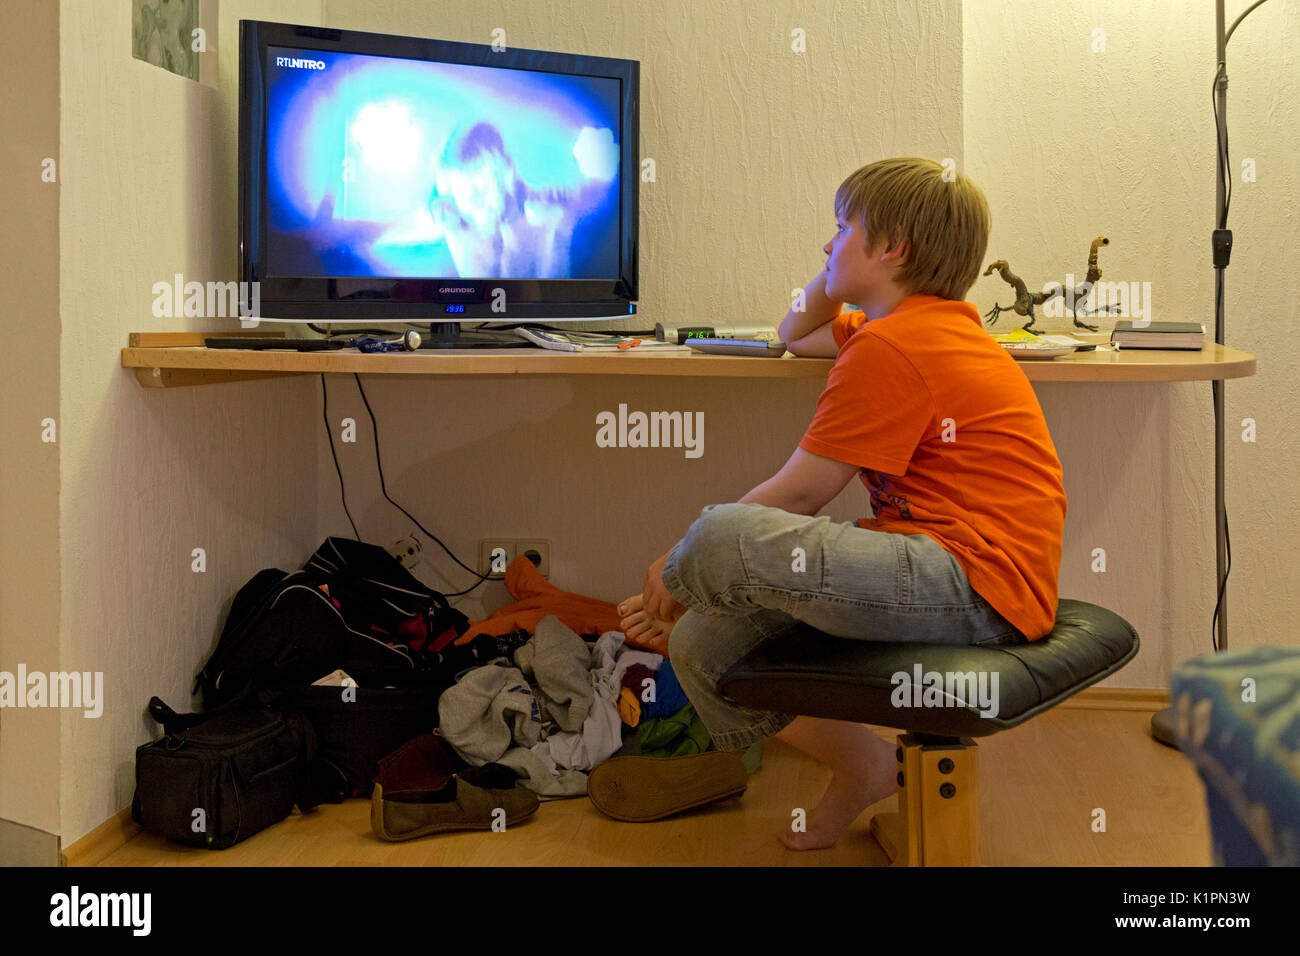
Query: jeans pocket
x=997 y=628
x=1012 y=636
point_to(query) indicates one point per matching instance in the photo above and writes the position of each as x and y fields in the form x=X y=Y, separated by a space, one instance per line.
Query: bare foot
x=858 y=782
x=641 y=630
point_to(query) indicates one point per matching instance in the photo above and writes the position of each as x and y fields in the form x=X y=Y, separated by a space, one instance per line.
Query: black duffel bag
x=357 y=726
x=217 y=778
x=355 y=731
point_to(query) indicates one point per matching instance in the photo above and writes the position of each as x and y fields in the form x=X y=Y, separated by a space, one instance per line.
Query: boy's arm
x=820 y=343
x=808 y=332
x=805 y=485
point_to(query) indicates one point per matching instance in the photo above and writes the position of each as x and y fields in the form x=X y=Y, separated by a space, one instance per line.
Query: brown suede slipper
x=638 y=789
x=471 y=810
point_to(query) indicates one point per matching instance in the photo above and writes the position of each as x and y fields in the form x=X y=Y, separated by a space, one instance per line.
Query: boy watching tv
x=945 y=432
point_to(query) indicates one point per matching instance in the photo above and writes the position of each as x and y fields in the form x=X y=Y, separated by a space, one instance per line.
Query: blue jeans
x=748 y=573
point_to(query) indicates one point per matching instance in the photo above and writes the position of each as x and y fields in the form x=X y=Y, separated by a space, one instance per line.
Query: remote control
x=755 y=348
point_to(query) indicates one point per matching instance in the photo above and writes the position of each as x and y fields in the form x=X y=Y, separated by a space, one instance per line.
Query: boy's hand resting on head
x=647 y=618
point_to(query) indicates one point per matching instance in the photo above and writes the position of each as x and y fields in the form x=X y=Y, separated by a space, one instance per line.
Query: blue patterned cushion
x=1247 y=751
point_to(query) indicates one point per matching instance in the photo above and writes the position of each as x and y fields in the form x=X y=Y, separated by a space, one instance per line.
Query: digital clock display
x=456 y=308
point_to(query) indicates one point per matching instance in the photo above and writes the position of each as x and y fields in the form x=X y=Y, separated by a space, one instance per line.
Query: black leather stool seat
x=808 y=672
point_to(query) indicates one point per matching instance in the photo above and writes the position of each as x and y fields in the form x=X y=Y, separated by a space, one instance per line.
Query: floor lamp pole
x=1162 y=722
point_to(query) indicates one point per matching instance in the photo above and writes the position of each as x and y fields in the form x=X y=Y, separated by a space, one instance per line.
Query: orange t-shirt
x=950 y=442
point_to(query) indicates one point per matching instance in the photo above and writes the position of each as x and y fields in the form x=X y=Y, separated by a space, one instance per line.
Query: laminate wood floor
x=1041 y=785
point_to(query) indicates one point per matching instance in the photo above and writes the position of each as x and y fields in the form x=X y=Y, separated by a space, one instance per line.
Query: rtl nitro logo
x=298 y=63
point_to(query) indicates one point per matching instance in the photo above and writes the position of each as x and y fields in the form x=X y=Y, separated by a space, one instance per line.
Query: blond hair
x=945 y=221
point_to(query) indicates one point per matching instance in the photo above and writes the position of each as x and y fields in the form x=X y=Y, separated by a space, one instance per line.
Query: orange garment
x=951 y=442
x=536 y=598
x=629 y=707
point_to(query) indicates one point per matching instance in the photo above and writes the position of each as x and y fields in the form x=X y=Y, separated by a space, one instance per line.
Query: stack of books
x=1158 y=335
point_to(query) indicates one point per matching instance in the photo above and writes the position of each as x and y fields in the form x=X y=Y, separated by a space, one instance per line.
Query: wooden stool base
x=938 y=822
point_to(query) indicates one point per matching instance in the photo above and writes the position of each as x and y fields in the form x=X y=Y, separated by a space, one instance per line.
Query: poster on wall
x=177 y=35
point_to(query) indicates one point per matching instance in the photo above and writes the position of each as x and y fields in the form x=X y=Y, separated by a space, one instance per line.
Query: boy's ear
x=899 y=245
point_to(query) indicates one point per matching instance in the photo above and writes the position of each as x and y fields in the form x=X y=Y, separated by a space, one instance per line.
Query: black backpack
x=345 y=610
x=342 y=611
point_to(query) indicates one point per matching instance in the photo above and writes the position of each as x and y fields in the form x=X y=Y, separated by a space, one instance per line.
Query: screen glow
x=378 y=166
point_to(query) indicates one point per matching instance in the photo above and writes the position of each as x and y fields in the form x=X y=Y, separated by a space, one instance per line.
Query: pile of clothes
x=573 y=696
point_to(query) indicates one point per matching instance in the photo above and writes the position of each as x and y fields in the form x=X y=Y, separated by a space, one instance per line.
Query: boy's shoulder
x=915 y=310
x=916 y=318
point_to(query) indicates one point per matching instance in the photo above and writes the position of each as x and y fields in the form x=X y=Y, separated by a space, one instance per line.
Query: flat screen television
x=397 y=179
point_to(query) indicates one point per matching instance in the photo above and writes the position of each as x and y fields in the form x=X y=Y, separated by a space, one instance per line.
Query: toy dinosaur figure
x=1090 y=283
x=1026 y=300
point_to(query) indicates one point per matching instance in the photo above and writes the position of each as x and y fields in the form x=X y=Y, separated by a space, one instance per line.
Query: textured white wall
x=29 y=393
x=750 y=141
x=148 y=170
x=1070 y=144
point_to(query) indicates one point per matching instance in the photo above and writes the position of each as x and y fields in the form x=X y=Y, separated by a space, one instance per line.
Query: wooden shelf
x=160 y=361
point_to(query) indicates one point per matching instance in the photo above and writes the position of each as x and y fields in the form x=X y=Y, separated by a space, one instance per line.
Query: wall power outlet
x=407 y=551
x=538 y=551
x=495 y=555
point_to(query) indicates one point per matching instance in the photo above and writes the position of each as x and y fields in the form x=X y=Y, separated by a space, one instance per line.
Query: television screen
x=388 y=167
x=374 y=168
